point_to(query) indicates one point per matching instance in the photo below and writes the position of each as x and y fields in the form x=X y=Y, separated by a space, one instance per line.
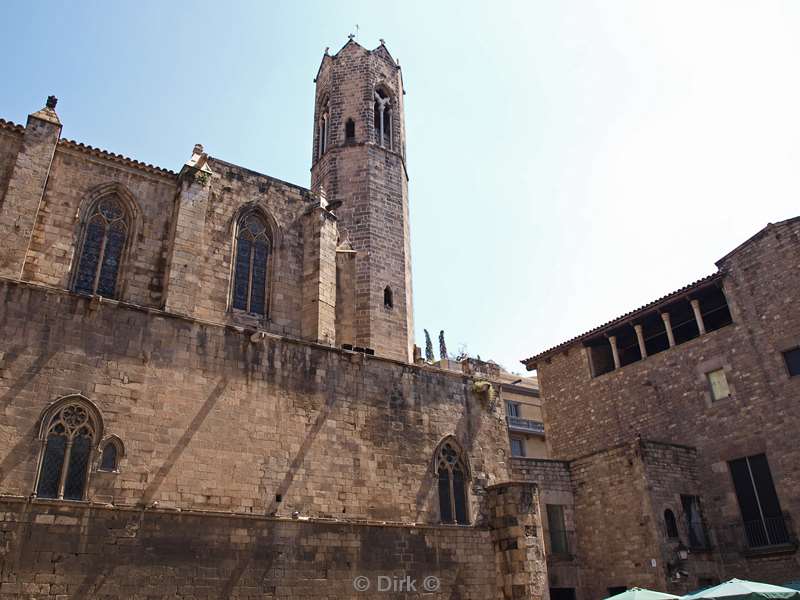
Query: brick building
x=675 y=431
x=206 y=378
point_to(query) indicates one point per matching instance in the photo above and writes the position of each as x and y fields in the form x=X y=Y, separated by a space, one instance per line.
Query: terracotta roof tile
x=119 y=158
x=621 y=319
x=9 y=125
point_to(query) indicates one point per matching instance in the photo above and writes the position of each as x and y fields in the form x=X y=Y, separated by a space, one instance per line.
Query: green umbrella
x=642 y=594
x=739 y=589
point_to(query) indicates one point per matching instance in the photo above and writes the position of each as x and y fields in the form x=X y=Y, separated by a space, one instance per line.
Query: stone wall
x=75 y=180
x=173 y=235
x=67 y=552
x=10 y=142
x=616 y=538
x=211 y=419
x=666 y=397
x=515 y=519
x=554 y=482
x=671 y=472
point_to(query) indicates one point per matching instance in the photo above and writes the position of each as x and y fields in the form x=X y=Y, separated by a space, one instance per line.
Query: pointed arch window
x=102 y=248
x=388 y=298
x=69 y=435
x=322 y=128
x=250 y=281
x=112 y=453
x=451 y=472
x=108 y=459
x=383 y=118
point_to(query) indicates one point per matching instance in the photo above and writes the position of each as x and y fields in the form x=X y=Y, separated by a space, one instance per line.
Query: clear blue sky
x=569 y=161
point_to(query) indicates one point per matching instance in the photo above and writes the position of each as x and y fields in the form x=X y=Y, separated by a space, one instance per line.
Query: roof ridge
x=757 y=235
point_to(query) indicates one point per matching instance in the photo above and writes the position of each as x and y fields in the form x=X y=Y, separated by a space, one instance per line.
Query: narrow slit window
x=350 y=131
x=322 y=129
x=108 y=460
x=388 y=299
x=251 y=265
x=670 y=524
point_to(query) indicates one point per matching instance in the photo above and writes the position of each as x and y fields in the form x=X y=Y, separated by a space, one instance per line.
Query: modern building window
x=670 y=524
x=388 y=298
x=451 y=472
x=69 y=435
x=102 y=248
x=250 y=281
x=559 y=543
x=517 y=447
x=350 y=131
x=512 y=409
x=694 y=522
x=792 y=358
x=383 y=118
x=762 y=517
x=719 y=384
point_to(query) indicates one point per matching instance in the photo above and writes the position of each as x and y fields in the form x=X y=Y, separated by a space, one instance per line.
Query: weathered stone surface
x=622 y=486
x=371 y=182
x=256 y=459
x=98 y=552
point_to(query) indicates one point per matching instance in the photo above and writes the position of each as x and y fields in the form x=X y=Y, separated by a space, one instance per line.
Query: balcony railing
x=772 y=531
x=525 y=425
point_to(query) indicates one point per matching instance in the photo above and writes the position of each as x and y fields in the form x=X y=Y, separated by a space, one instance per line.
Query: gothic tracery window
x=451 y=472
x=253 y=246
x=105 y=235
x=68 y=441
x=383 y=118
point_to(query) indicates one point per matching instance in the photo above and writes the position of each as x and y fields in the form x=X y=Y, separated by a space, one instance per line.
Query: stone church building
x=209 y=389
x=207 y=378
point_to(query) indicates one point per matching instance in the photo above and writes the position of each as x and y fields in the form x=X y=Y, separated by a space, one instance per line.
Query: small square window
x=719 y=384
x=792 y=358
x=517 y=447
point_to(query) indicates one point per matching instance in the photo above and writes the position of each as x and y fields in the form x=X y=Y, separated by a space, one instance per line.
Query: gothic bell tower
x=359 y=165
